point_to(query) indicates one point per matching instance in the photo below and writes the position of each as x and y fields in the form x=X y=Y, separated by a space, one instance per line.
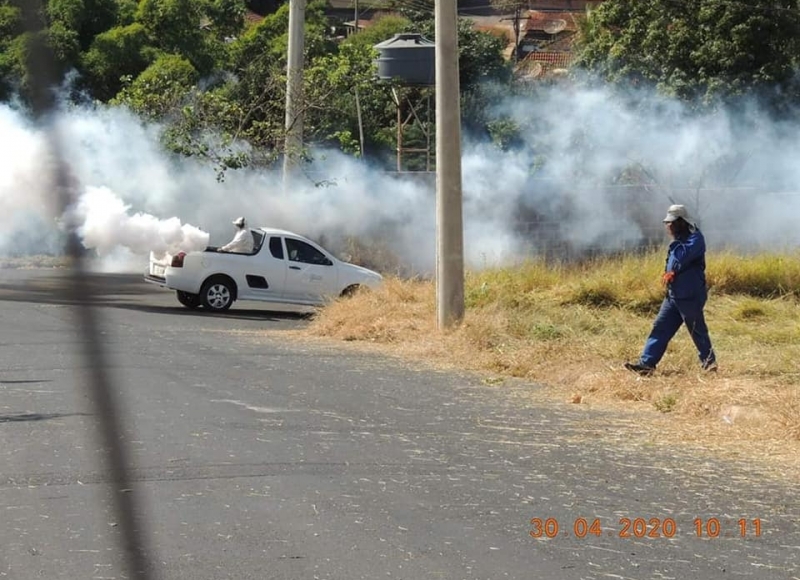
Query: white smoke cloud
x=106 y=224
x=26 y=207
x=736 y=172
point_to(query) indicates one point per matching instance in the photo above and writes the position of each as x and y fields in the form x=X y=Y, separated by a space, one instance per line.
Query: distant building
x=344 y=10
x=352 y=26
x=549 y=31
x=563 y=5
x=547 y=36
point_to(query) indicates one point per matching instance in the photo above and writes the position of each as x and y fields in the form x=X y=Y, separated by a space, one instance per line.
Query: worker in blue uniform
x=685 y=280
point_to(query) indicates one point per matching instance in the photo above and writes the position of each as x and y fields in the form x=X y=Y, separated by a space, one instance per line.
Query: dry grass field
x=570 y=328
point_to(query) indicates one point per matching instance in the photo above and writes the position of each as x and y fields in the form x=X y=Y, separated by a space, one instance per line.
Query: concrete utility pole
x=356 y=30
x=516 y=18
x=449 y=226
x=294 y=88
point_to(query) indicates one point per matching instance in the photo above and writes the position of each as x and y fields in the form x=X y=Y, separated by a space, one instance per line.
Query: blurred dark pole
x=43 y=80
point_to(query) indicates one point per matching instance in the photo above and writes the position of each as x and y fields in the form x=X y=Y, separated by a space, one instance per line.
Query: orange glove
x=667 y=278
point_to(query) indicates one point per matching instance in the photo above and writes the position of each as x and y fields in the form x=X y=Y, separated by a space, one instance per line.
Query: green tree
x=114 y=55
x=65 y=44
x=160 y=88
x=126 y=11
x=703 y=51
x=83 y=18
x=481 y=69
x=268 y=41
x=259 y=62
x=11 y=27
x=382 y=29
x=11 y=24
x=331 y=84
x=226 y=16
x=13 y=64
x=175 y=27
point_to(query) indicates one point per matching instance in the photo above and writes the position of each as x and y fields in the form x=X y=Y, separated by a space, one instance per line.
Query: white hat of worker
x=240 y=222
x=677 y=211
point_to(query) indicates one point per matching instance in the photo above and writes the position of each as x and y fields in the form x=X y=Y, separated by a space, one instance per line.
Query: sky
x=737 y=173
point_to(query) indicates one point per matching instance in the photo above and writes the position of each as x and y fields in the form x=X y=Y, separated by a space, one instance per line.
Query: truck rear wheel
x=217 y=294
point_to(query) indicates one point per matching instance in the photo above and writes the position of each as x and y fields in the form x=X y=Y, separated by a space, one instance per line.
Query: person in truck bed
x=242 y=242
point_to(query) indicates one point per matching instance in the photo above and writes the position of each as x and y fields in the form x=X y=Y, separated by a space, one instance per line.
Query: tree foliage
x=13 y=61
x=217 y=84
x=160 y=88
x=481 y=67
x=115 y=54
x=331 y=85
x=227 y=17
x=83 y=18
x=174 y=26
x=700 y=50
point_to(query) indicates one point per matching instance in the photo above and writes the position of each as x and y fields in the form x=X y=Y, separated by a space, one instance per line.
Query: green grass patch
x=759 y=276
x=666 y=404
x=750 y=310
x=602 y=296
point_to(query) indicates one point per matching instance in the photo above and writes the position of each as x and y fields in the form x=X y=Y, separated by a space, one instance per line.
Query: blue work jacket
x=687 y=258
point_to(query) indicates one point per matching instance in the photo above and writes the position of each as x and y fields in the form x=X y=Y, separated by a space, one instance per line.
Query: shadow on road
x=25 y=381
x=121 y=291
x=233 y=314
x=52 y=287
x=19 y=417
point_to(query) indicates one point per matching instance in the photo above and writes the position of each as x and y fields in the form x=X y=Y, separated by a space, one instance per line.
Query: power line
x=419 y=5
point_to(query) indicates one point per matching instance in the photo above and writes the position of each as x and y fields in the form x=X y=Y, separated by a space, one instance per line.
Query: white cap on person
x=676 y=211
x=239 y=222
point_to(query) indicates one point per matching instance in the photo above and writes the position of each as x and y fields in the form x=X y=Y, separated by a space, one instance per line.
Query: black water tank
x=409 y=58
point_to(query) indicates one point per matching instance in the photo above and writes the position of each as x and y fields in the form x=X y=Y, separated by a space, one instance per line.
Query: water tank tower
x=409 y=60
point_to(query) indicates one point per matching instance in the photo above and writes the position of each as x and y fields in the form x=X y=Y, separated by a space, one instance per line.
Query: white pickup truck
x=284 y=267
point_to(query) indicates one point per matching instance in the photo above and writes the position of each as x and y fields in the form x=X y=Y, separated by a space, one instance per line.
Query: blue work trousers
x=672 y=314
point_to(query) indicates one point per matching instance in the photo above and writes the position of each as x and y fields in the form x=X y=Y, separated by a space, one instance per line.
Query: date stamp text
x=548 y=528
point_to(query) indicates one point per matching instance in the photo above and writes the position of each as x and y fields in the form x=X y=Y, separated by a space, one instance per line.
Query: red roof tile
x=252 y=17
x=540 y=63
x=574 y=5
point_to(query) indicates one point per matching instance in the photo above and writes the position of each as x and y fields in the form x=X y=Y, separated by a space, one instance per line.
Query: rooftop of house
x=564 y=5
x=252 y=18
x=552 y=22
x=362 y=24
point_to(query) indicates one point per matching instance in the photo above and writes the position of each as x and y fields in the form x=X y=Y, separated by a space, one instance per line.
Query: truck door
x=265 y=273
x=311 y=275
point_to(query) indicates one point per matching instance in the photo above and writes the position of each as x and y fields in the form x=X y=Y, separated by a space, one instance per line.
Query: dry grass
x=571 y=327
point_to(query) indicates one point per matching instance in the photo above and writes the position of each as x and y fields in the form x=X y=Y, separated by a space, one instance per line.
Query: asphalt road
x=256 y=457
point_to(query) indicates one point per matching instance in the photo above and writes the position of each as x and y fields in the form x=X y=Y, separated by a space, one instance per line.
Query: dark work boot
x=640 y=369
